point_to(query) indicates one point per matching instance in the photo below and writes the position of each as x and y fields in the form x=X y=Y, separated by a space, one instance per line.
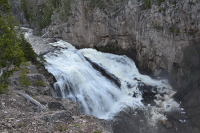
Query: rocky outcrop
x=19 y=115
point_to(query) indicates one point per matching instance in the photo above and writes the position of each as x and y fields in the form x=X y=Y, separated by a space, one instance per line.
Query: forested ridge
x=14 y=49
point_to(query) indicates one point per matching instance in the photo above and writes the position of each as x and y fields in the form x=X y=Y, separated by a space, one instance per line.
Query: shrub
x=46 y=17
x=4 y=7
x=55 y=3
x=61 y=128
x=171 y=29
x=177 y=32
x=14 y=50
x=158 y=27
x=148 y=4
x=4 y=82
x=76 y=125
x=192 y=32
x=40 y=15
x=162 y=9
x=29 y=54
x=25 y=9
x=39 y=83
x=23 y=76
x=11 y=52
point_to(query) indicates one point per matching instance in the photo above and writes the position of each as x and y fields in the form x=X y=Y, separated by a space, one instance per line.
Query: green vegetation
x=14 y=49
x=148 y=4
x=192 y=32
x=40 y=15
x=177 y=32
x=191 y=3
x=4 y=7
x=162 y=10
x=61 y=128
x=158 y=27
x=4 y=81
x=56 y=3
x=29 y=54
x=11 y=52
x=171 y=29
x=97 y=3
x=24 y=7
x=97 y=131
x=192 y=23
x=39 y=83
x=174 y=30
x=67 y=7
x=46 y=17
x=23 y=76
x=76 y=125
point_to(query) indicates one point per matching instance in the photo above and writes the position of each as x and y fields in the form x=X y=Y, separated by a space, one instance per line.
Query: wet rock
x=148 y=93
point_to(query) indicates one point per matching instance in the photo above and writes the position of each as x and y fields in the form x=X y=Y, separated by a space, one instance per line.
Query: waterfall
x=103 y=84
x=98 y=95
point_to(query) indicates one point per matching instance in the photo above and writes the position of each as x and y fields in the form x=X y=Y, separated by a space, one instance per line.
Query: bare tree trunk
x=26 y=96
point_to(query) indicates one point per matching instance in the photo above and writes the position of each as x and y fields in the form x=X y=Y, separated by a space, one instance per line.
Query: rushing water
x=102 y=83
x=79 y=80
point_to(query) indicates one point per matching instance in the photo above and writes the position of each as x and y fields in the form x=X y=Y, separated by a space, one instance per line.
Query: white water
x=97 y=95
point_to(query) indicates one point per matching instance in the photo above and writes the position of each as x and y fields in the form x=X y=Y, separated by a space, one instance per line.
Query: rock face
x=159 y=30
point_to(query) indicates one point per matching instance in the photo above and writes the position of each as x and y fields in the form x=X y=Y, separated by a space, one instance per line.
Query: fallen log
x=32 y=100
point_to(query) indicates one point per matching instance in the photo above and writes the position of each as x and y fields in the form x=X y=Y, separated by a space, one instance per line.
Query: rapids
x=98 y=95
x=102 y=83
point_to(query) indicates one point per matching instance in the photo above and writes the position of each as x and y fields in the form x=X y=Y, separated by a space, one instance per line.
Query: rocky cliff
x=158 y=30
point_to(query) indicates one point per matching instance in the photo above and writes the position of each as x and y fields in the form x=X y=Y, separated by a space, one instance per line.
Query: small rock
x=55 y=105
x=167 y=123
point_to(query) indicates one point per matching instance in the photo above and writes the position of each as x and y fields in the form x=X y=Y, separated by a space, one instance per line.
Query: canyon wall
x=159 y=30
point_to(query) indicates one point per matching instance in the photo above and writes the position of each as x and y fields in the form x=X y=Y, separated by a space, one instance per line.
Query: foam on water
x=97 y=95
x=78 y=80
